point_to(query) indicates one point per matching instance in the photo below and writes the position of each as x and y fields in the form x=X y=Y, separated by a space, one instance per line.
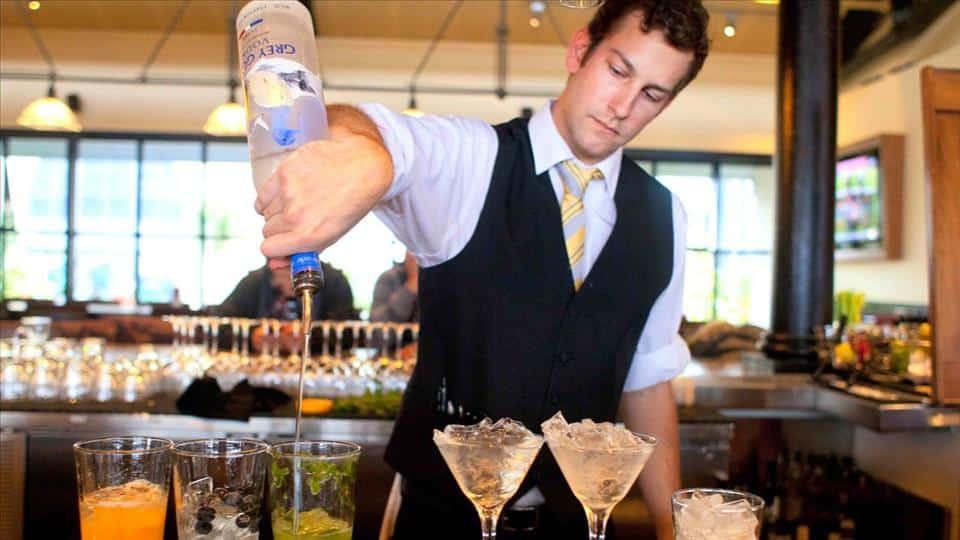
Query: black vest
x=502 y=333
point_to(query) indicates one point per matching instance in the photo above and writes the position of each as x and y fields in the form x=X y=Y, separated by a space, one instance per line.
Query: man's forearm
x=653 y=411
x=349 y=118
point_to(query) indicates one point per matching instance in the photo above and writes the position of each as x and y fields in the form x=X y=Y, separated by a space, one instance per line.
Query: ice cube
x=708 y=516
x=505 y=431
x=554 y=427
x=589 y=435
x=198 y=489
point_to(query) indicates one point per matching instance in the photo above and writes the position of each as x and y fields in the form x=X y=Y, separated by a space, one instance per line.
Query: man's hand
x=653 y=411
x=324 y=188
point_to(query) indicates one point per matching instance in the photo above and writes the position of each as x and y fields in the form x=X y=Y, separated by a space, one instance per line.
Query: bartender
x=551 y=268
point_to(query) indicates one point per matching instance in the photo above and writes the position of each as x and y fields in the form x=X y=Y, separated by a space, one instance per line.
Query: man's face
x=625 y=82
x=281 y=280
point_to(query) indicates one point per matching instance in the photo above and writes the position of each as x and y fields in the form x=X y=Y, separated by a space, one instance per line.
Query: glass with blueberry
x=218 y=488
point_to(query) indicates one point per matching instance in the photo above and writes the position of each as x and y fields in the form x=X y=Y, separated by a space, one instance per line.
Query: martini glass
x=488 y=461
x=600 y=463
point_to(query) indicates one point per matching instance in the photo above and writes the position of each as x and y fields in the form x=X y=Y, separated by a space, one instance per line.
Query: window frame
x=716 y=160
x=73 y=141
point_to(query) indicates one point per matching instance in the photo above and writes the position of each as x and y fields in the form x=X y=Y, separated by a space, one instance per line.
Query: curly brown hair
x=683 y=23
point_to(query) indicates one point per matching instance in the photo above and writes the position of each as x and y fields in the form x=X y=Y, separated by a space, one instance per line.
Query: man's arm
x=325 y=187
x=427 y=179
x=653 y=411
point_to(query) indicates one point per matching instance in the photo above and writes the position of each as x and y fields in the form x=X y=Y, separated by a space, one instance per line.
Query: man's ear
x=577 y=50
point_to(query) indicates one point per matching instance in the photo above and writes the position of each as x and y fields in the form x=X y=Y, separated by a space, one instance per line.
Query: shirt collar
x=549 y=148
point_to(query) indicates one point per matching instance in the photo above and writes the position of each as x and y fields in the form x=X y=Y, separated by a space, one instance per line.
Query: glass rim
x=536 y=441
x=83 y=448
x=649 y=442
x=259 y=447
x=755 y=501
x=280 y=449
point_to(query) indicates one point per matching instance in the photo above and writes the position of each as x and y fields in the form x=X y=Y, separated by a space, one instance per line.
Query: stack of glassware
x=63 y=369
x=349 y=359
x=354 y=356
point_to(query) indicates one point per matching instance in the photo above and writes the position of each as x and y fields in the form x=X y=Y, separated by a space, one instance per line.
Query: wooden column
x=941 y=129
x=805 y=165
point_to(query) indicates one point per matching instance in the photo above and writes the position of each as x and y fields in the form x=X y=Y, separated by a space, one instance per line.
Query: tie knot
x=576 y=178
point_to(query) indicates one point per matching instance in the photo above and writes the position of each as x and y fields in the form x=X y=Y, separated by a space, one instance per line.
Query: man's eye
x=652 y=96
x=617 y=71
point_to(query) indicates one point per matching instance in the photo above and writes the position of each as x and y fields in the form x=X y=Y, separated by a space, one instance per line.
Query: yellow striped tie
x=575 y=180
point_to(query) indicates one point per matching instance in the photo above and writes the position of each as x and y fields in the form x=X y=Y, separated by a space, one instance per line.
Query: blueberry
x=250 y=505
x=233 y=498
x=203 y=527
x=243 y=521
x=206 y=514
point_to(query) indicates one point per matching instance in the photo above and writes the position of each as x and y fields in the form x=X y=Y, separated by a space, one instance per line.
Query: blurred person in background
x=395 y=293
x=268 y=293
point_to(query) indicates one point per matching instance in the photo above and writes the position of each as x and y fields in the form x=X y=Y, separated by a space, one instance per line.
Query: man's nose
x=622 y=103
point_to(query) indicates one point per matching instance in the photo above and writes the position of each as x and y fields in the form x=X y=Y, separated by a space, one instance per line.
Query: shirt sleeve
x=442 y=169
x=661 y=353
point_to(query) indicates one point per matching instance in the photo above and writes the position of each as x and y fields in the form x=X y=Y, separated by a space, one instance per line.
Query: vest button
x=564 y=358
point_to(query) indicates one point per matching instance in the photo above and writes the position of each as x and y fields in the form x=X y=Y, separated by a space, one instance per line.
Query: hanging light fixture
x=46 y=113
x=49 y=113
x=412 y=109
x=537 y=7
x=230 y=118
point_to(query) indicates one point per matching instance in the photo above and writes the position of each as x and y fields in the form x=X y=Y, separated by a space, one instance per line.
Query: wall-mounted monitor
x=869 y=178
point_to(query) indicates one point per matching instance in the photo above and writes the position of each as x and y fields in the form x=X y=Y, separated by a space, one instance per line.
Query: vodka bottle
x=284 y=100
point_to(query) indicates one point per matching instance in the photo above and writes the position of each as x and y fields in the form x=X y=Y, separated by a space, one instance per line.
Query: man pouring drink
x=551 y=268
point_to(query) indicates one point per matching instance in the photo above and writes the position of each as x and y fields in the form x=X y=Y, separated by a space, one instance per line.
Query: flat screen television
x=867 y=213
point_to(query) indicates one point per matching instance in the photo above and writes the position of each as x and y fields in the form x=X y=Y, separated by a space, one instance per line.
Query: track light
x=730 y=29
x=580 y=4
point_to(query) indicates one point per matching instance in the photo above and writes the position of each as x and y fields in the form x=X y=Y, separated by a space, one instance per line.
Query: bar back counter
x=733 y=412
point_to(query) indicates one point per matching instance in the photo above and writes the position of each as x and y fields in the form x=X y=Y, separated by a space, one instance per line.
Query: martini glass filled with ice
x=600 y=463
x=489 y=461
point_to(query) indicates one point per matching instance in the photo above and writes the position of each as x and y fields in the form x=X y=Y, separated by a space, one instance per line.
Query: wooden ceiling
x=390 y=19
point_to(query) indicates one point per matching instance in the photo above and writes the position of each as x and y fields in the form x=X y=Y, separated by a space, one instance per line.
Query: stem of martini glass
x=597 y=523
x=488 y=522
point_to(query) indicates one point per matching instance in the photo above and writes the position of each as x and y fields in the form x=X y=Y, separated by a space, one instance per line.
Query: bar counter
x=713 y=395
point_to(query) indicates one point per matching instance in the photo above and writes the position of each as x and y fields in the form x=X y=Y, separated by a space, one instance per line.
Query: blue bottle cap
x=302 y=262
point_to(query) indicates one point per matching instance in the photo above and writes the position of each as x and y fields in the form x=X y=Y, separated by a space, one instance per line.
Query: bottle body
x=283 y=96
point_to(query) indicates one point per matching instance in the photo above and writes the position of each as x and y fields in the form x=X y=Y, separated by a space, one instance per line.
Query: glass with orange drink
x=123 y=484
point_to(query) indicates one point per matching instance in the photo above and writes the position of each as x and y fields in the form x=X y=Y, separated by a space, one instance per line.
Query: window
x=103 y=217
x=124 y=217
x=34 y=217
x=171 y=202
x=729 y=203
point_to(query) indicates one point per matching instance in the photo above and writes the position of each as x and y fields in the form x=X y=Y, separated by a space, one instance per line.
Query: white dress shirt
x=442 y=170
